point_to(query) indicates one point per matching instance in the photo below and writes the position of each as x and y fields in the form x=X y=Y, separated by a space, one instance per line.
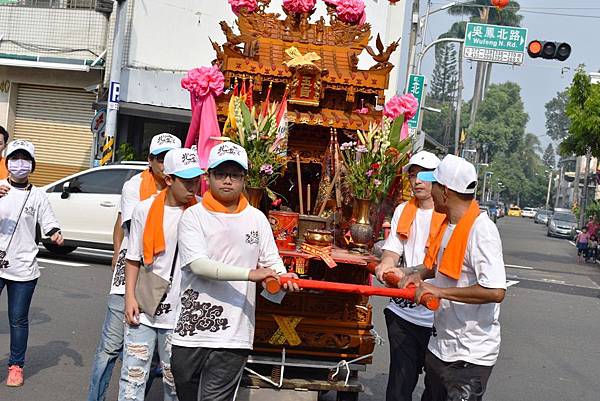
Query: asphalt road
x=550 y=326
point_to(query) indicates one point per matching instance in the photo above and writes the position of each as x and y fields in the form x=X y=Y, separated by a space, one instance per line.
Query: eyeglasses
x=221 y=176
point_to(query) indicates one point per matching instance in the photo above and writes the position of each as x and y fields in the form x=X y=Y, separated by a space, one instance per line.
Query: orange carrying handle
x=428 y=300
x=273 y=286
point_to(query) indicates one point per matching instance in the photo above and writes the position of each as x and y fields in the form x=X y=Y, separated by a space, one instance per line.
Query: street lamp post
x=485 y=175
x=549 y=188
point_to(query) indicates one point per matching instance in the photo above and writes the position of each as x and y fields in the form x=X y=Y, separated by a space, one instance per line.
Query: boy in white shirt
x=226 y=246
x=138 y=188
x=23 y=206
x=409 y=324
x=153 y=242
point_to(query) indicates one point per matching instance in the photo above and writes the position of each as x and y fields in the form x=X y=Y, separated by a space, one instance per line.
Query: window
x=108 y=181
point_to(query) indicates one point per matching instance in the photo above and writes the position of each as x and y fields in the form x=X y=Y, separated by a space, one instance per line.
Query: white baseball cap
x=164 y=142
x=20 y=144
x=453 y=172
x=424 y=159
x=227 y=151
x=183 y=163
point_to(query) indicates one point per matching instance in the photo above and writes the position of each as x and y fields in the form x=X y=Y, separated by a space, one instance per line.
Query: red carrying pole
x=273 y=286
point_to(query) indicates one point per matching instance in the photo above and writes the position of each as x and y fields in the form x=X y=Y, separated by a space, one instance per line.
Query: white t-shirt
x=23 y=249
x=164 y=317
x=130 y=198
x=220 y=314
x=469 y=332
x=413 y=249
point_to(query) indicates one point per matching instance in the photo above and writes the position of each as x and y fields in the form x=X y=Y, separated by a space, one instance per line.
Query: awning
x=150 y=111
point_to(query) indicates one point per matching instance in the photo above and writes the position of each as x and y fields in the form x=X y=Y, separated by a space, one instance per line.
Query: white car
x=528 y=212
x=86 y=205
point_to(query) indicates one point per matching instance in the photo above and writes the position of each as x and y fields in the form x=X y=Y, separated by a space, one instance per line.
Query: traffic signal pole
x=114 y=86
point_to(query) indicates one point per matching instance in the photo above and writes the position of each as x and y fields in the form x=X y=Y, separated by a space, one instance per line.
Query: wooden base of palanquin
x=319 y=324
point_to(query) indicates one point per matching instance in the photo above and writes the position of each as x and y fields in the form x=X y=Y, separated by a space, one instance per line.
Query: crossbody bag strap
x=19 y=218
x=173 y=264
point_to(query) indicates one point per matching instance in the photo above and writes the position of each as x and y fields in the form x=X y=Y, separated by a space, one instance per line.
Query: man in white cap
x=409 y=324
x=150 y=313
x=225 y=246
x=466 y=260
x=138 y=188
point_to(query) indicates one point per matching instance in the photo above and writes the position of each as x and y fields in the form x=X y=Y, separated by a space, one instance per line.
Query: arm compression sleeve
x=213 y=270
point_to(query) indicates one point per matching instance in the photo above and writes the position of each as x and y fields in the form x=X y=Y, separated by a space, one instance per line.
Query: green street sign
x=416 y=84
x=495 y=43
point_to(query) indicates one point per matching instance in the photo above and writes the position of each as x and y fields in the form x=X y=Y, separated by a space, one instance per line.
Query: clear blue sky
x=539 y=79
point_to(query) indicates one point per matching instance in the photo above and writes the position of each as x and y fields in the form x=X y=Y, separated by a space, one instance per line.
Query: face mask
x=19 y=168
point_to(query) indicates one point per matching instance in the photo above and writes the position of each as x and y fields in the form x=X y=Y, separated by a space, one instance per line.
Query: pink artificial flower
x=237 y=5
x=299 y=6
x=350 y=11
x=204 y=80
x=401 y=105
x=369 y=173
x=376 y=182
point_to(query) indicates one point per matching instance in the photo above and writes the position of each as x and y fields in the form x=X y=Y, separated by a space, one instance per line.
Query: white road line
x=572 y=243
x=511 y=282
x=98 y=255
x=520 y=267
x=94 y=250
x=62 y=263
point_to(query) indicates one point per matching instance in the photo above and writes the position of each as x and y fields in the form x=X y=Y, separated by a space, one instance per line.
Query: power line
x=533 y=10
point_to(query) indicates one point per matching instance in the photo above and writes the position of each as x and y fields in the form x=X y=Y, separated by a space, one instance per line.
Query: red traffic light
x=549 y=50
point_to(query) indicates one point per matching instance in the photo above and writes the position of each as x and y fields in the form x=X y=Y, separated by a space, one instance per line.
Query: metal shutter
x=57 y=121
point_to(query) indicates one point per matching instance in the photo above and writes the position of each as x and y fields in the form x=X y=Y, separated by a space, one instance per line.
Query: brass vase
x=255 y=195
x=361 y=230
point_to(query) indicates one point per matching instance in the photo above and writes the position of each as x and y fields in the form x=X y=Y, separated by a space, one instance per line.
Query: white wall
x=169 y=37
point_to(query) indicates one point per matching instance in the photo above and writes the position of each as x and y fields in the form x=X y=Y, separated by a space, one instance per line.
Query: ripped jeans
x=137 y=356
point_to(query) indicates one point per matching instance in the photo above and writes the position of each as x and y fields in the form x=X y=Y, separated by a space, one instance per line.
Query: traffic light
x=549 y=50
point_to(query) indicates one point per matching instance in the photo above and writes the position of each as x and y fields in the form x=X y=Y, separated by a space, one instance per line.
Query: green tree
x=501 y=120
x=557 y=120
x=445 y=75
x=549 y=157
x=583 y=110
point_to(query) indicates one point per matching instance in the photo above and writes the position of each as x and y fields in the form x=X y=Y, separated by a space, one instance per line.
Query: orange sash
x=454 y=254
x=148 y=185
x=3 y=169
x=213 y=205
x=408 y=217
x=154 y=235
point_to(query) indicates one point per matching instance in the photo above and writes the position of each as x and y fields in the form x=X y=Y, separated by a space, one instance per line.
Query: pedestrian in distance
x=408 y=324
x=21 y=209
x=466 y=260
x=225 y=247
x=150 y=312
x=581 y=243
x=3 y=141
x=138 y=188
x=592 y=251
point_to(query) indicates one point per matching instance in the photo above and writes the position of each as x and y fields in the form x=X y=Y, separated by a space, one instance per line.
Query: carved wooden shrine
x=318 y=62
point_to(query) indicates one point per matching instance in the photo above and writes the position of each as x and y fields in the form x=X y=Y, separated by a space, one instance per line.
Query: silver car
x=562 y=224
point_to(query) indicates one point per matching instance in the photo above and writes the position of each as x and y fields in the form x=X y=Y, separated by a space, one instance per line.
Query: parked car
x=86 y=205
x=514 y=211
x=562 y=224
x=486 y=209
x=542 y=216
x=528 y=212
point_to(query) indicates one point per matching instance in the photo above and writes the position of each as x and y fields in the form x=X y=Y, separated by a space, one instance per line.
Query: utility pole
x=549 y=187
x=558 y=185
x=114 y=87
x=583 y=203
x=412 y=40
x=458 y=100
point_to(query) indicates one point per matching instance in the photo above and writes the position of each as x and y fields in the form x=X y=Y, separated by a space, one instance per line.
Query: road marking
x=511 y=282
x=94 y=250
x=572 y=243
x=62 y=262
x=520 y=267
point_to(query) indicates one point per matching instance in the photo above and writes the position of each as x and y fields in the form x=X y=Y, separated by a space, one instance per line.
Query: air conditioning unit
x=104 y=6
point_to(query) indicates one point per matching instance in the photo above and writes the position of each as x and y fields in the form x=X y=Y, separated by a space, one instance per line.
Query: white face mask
x=20 y=168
